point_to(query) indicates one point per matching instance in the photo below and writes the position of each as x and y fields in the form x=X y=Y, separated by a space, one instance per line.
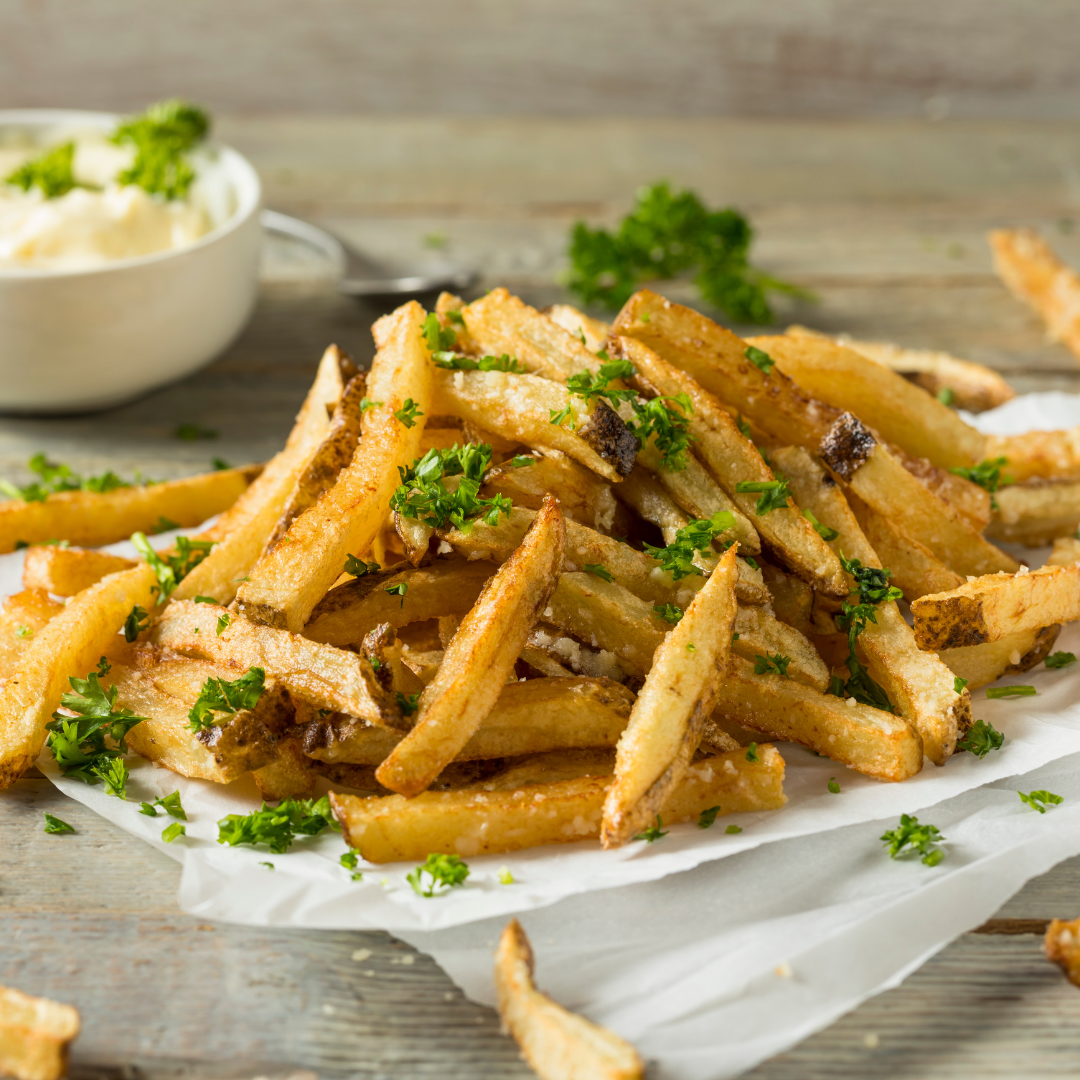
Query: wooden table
x=884 y=223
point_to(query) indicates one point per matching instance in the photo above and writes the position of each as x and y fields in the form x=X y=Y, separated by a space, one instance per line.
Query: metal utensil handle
x=309 y=234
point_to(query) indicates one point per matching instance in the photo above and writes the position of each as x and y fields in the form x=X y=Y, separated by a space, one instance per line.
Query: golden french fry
x=1066 y=552
x=22 y=617
x=531 y=717
x=243 y=531
x=969 y=500
x=643 y=492
x=1061 y=944
x=991 y=607
x=287 y=583
x=69 y=644
x=35 y=1034
x=1047 y=455
x=67 y=571
x=878 y=478
x=1038 y=278
x=326 y=677
x=1036 y=513
x=669 y=714
x=579 y=325
x=1012 y=654
x=291 y=775
x=490 y=818
x=557 y=1043
x=479 y=658
x=93 y=518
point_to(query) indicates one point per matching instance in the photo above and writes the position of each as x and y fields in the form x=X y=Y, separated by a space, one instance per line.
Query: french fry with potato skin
x=69 y=644
x=1013 y=654
x=35 y=1034
x=67 y=571
x=994 y=606
x=286 y=584
x=490 y=818
x=479 y=658
x=669 y=714
x=557 y=1044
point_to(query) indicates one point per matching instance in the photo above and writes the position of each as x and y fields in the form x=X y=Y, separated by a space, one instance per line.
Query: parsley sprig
x=1060 y=659
x=50 y=172
x=57 y=478
x=162 y=137
x=437 y=874
x=222 y=696
x=774 y=493
x=980 y=739
x=667 y=235
x=987 y=474
x=278 y=826
x=171 y=569
x=671 y=613
x=912 y=836
x=1040 y=800
x=772 y=664
x=169 y=803
x=653 y=832
x=824 y=531
x=696 y=535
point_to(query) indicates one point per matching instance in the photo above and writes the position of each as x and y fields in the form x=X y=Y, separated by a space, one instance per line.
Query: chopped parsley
x=57 y=478
x=440 y=339
x=358 y=568
x=913 y=837
x=171 y=832
x=456 y=362
x=731 y=830
x=834 y=786
x=223 y=696
x=987 y=474
x=980 y=739
x=136 y=623
x=752 y=754
x=438 y=874
x=1040 y=800
x=772 y=664
x=400 y=589
x=653 y=833
x=56 y=825
x=946 y=395
x=1060 y=659
x=23 y=631
x=959 y=685
x=707 y=817
x=223 y=623
x=51 y=172
x=824 y=531
x=671 y=613
x=114 y=774
x=599 y=571
x=172 y=569
x=205 y=600
x=505 y=877
x=408 y=413
x=407 y=703
x=774 y=493
x=194 y=432
x=1010 y=691
x=165 y=524
x=665 y=236
x=169 y=803
x=349 y=861
x=367 y=403
x=220 y=464
x=520 y=461
x=696 y=535
x=760 y=359
x=162 y=136
x=278 y=826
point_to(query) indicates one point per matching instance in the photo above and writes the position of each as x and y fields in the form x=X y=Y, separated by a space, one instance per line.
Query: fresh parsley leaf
x=407 y=703
x=367 y=403
x=696 y=535
x=1040 y=800
x=742 y=425
x=268 y=865
x=438 y=338
x=505 y=877
x=751 y=753
x=358 y=568
x=1010 y=691
x=278 y=826
x=57 y=478
x=165 y=524
x=56 y=825
x=731 y=830
x=171 y=569
x=980 y=739
x=442 y=872
x=23 y=631
x=162 y=136
x=408 y=413
x=205 y=600
x=171 y=832
x=149 y=809
x=871 y=583
x=50 y=172
x=691 y=647
x=946 y=395
x=915 y=837
x=653 y=833
x=959 y=685
x=220 y=464
x=987 y=474
x=823 y=531
x=522 y=460
x=772 y=664
x=667 y=235
x=452 y=361
x=671 y=613
x=668 y=424
x=223 y=696
x=707 y=817
x=1060 y=659
x=834 y=787
x=223 y=623
x=558 y=417
x=136 y=623
x=599 y=571
x=456 y=317
x=349 y=860
x=193 y=432
x=760 y=359
x=400 y=589
x=114 y=773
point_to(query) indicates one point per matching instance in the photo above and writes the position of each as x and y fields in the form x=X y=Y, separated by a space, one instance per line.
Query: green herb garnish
x=358 y=568
x=671 y=613
x=599 y=571
x=980 y=739
x=1060 y=659
x=172 y=569
x=223 y=696
x=1010 y=691
x=1040 y=800
x=653 y=833
x=772 y=664
x=407 y=702
x=696 y=535
x=760 y=359
x=277 y=827
x=56 y=825
x=707 y=817
x=50 y=172
x=58 y=478
x=443 y=872
x=915 y=837
x=823 y=531
x=162 y=137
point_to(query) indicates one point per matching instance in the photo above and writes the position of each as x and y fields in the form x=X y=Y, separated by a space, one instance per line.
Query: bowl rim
x=242 y=172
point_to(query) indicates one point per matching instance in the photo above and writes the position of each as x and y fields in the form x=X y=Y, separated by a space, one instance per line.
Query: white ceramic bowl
x=80 y=340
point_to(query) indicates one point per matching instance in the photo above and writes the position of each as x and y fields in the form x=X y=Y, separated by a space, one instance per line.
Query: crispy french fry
x=93 y=518
x=1047 y=455
x=287 y=583
x=326 y=677
x=669 y=714
x=1036 y=513
x=243 y=531
x=918 y=683
x=865 y=739
x=557 y=1044
x=22 y=617
x=479 y=658
x=69 y=644
x=1061 y=944
x=901 y=412
x=760 y=633
x=520 y=408
x=961 y=383
x=582 y=326
x=290 y=775
x=970 y=500
x=67 y=571
x=1066 y=552
x=1038 y=278
x=563 y=652
x=643 y=492
x=483 y=820
x=531 y=717
x=732 y=459
x=35 y=1034
x=989 y=608
x=878 y=478
x=1013 y=654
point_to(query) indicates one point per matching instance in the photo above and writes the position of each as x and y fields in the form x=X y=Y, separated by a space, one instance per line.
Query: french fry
x=970 y=500
x=35 y=1034
x=868 y=740
x=732 y=458
x=287 y=583
x=1061 y=944
x=479 y=658
x=500 y=323
x=1046 y=455
x=991 y=607
x=291 y=775
x=1036 y=513
x=67 y=571
x=243 y=531
x=69 y=644
x=760 y=633
x=669 y=714
x=94 y=518
x=481 y=820
x=557 y=1044
x=326 y=677
x=878 y=478
x=1038 y=278
x=22 y=617
x=580 y=325
x=961 y=383
x=565 y=655
x=1013 y=654
x=643 y=492
x=1066 y=552
x=531 y=717
x=520 y=408
x=901 y=412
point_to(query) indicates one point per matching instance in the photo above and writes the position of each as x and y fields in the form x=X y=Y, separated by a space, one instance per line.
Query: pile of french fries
x=494 y=616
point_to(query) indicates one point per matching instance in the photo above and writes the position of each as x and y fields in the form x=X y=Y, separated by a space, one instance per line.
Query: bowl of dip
x=108 y=291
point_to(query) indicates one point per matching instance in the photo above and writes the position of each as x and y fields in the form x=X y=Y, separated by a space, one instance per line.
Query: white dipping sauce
x=87 y=228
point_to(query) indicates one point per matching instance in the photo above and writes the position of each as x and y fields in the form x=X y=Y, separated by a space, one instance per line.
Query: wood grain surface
x=888 y=232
